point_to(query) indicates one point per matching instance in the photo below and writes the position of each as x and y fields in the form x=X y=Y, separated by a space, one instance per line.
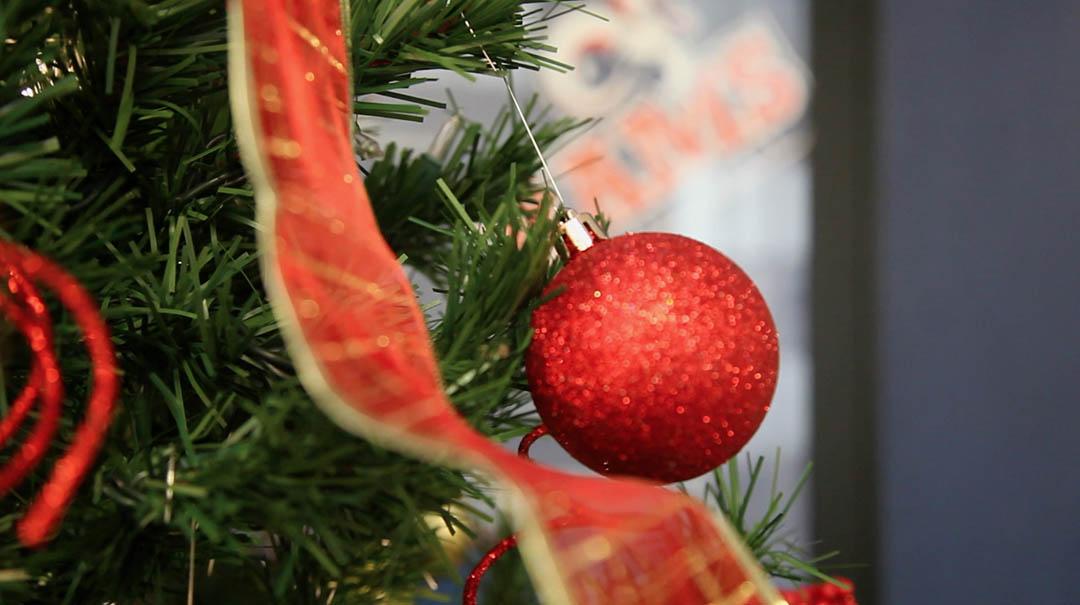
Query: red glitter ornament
x=656 y=357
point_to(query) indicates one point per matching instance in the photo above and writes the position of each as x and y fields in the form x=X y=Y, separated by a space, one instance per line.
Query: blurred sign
x=668 y=101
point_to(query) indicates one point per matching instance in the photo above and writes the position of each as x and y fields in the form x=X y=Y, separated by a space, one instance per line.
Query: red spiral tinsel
x=23 y=306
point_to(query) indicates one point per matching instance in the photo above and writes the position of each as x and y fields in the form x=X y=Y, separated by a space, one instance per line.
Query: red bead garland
x=822 y=594
x=471 y=592
x=25 y=308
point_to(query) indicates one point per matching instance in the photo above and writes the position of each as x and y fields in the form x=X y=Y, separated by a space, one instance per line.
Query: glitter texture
x=657 y=357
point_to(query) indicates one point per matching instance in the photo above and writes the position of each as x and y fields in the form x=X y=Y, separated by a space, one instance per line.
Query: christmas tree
x=219 y=479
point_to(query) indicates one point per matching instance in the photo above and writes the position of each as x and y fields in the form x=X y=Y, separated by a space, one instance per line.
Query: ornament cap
x=579 y=232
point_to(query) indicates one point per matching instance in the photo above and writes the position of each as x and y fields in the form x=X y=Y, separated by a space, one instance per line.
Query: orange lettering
x=714 y=112
x=594 y=172
x=768 y=88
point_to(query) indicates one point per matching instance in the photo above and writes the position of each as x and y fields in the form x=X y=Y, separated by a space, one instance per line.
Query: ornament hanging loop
x=579 y=232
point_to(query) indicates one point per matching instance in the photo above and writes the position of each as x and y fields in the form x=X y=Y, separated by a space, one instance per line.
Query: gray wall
x=978 y=251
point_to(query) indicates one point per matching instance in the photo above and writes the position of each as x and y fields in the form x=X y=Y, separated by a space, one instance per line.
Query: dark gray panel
x=843 y=308
x=979 y=207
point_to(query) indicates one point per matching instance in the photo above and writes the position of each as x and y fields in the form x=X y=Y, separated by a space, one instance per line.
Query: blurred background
x=902 y=180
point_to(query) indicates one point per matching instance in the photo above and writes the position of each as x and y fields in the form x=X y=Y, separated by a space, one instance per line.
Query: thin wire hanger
x=580 y=231
x=549 y=178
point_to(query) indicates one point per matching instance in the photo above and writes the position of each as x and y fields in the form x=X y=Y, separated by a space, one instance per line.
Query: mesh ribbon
x=362 y=350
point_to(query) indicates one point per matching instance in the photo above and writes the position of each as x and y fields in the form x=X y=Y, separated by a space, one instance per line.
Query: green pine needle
x=765 y=537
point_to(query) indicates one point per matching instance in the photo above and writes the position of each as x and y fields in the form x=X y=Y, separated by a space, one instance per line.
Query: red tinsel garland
x=23 y=305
